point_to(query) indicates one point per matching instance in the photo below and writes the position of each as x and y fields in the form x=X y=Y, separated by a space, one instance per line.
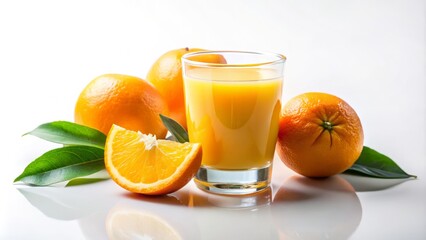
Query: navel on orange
x=319 y=135
x=142 y=164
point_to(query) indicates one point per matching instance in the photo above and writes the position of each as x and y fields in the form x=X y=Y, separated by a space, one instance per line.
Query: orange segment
x=140 y=163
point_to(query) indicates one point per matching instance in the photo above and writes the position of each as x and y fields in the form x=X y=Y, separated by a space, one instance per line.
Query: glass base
x=233 y=182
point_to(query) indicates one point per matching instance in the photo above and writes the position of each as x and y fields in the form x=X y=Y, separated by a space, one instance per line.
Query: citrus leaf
x=178 y=132
x=374 y=164
x=63 y=164
x=69 y=133
x=93 y=178
x=81 y=181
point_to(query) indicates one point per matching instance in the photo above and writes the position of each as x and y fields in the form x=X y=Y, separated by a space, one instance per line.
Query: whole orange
x=319 y=135
x=127 y=101
x=166 y=75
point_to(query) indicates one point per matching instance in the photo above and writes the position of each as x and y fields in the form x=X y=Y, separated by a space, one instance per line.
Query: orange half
x=142 y=164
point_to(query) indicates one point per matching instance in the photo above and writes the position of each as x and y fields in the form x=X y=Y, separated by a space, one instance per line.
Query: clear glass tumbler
x=233 y=103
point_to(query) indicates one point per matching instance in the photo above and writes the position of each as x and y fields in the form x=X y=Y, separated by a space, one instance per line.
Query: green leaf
x=63 y=164
x=69 y=133
x=81 y=181
x=374 y=164
x=178 y=132
x=93 y=178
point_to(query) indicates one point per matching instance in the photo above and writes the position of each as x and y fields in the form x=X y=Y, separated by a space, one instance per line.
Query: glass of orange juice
x=233 y=103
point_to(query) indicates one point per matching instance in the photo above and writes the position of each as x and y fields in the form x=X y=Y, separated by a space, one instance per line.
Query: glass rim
x=279 y=58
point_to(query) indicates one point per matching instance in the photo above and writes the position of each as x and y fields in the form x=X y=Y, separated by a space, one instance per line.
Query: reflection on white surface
x=203 y=199
x=88 y=204
x=234 y=217
x=192 y=214
x=93 y=225
x=124 y=223
x=302 y=208
x=367 y=184
x=141 y=217
x=305 y=208
x=68 y=203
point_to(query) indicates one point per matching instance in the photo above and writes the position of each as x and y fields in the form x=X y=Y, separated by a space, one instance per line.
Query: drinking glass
x=233 y=103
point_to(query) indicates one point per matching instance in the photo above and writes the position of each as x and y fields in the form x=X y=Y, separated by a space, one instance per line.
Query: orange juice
x=234 y=115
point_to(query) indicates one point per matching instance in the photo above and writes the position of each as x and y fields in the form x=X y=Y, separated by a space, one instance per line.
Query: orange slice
x=140 y=163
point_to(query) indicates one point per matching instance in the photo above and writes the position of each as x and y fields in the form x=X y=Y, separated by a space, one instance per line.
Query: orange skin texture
x=166 y=75
x=127 y=101
x=320 y=135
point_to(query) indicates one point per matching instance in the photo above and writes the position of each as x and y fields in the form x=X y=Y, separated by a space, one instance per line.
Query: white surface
x=370 y=53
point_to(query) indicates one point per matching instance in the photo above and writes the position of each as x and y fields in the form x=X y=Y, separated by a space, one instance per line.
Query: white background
x=371 y=53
